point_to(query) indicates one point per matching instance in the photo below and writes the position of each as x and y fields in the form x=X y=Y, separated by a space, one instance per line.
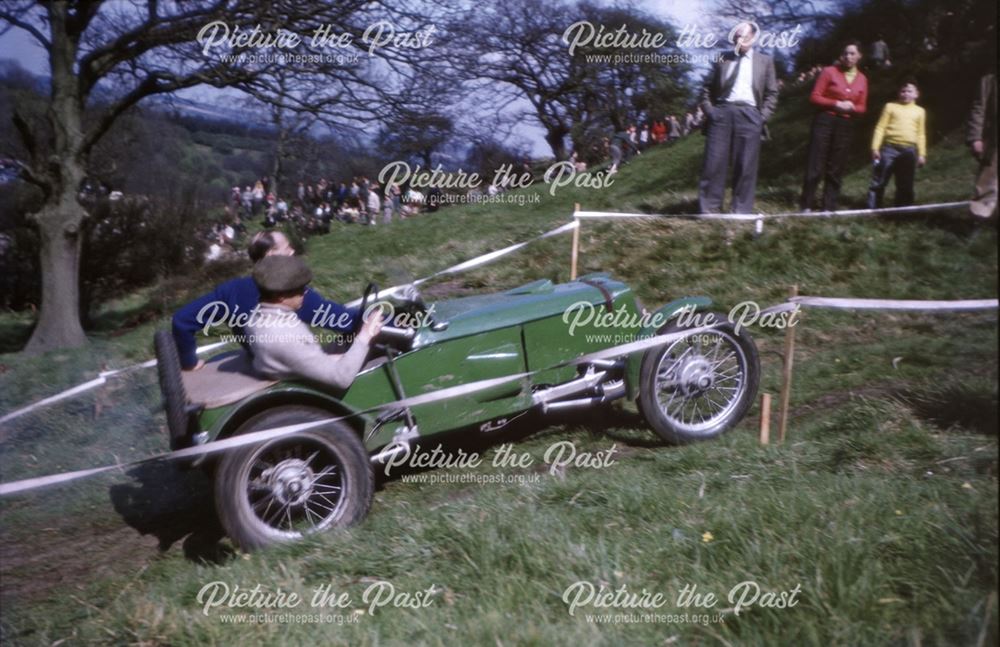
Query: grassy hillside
x=882 y=505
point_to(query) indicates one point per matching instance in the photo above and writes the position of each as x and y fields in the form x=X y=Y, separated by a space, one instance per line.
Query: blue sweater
x=238 y=298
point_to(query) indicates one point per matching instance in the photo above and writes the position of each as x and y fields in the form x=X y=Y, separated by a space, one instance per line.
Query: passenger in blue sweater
x=234 y=301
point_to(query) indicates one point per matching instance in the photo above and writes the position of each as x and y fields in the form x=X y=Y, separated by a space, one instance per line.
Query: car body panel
x=222 y=422
x=491 y=354
x=473 y=315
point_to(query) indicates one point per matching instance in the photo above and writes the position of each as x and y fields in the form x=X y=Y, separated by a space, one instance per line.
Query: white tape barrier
x=967 y=305
x=478 y=261
x=69 y=393
x=492 y=256
x=461 y=267
x=96 y=382
x=276 y=432
x=897 y=304
x=764 y=216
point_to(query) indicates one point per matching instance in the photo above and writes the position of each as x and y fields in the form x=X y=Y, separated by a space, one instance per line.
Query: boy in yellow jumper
x=899 y=147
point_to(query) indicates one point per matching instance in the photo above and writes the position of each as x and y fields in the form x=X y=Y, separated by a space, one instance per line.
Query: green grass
x=846 y=510
x=882 y=504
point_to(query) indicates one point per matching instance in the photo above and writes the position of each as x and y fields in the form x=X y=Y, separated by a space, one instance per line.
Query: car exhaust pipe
x=390 y=451
x=610 y=392
x=613 y=390
x=587 y=382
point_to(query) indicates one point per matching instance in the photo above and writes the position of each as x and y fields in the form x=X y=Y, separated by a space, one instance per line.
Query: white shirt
x=743 y=88
x=214 y=252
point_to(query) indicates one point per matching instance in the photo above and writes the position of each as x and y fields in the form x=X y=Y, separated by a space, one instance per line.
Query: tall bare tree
x=522 y=46
x=516 y=48
x=646 y=81
x=422 y=124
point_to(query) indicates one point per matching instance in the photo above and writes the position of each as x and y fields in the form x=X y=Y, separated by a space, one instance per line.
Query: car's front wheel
x=699 y=386
x=294 y=485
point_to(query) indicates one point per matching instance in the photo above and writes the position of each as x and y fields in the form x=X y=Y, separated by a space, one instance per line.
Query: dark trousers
x=829 y=143
x=900 y=161
x=733 y=135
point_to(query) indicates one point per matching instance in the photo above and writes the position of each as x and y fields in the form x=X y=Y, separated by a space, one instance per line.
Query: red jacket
x=658 y=132
x=832 y=86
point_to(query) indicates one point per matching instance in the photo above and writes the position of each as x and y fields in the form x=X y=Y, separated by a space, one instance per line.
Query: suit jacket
x=982 y=121
x=765 y=83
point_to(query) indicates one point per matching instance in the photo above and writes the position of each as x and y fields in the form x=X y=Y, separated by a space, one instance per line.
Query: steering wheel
x=370 y=290
x=411 y=294
x=402 y=337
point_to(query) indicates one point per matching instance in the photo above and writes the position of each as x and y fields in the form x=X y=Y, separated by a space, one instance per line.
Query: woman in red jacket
x=841 y=94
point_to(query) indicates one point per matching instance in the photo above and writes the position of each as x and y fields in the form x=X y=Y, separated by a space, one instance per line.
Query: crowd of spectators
x=311 y=207
x=632 y=141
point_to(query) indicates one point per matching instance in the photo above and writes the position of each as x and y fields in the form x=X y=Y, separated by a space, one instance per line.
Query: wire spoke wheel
x=698 y=386
x=700 y=380
x=295 y=486
x=292 y=486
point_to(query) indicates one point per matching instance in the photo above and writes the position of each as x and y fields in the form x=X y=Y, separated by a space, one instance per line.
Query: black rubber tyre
x=168 y=366
x=290 y=486
x=717 y=370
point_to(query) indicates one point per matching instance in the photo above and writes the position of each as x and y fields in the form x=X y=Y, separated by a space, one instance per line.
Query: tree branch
x=155 y=83
x=155 y=31
x=41 y=180
x=26 y=26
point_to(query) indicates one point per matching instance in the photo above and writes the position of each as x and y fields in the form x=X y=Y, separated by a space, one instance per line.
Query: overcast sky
x=679 y=12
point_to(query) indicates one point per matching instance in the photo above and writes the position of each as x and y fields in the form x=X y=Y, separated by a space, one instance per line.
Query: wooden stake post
x=576 y=244
x=765 y=418
x=786 y=377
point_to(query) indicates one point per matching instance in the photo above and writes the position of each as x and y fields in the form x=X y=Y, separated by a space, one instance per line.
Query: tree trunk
x=556 y=139
x=59 y=226
x=277 y=169
x=60 y=219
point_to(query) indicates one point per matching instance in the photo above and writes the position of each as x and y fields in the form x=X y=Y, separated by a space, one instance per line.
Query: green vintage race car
x=689 y=388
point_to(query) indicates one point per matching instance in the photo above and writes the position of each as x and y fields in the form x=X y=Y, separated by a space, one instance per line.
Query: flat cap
x=281 y=274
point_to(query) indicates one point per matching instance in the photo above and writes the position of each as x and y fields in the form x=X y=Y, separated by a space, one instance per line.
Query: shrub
x=128 y=243
x=133 y=241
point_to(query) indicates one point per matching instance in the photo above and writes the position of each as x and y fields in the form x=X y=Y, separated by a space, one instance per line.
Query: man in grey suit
x=738 y=97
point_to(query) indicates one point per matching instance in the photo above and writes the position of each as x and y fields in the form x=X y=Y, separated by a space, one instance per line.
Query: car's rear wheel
x=291 y=486
x=168 y=367
x=699 y=386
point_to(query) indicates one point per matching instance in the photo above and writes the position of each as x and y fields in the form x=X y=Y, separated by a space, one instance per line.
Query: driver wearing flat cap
x=283 y=345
